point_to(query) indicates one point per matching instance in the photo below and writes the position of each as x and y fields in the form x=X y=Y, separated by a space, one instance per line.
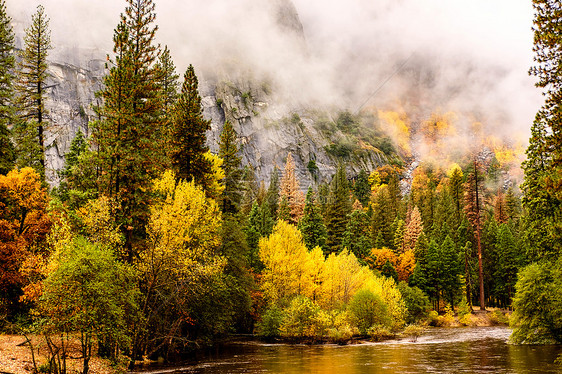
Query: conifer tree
x=77 y=147
x=128 y=135
x=290 y=189
x=500 y=208
x=7 y=62
x=472 y=209
x=312 y=225
x=272 y=195
x=543 y=168
x=450 y=270
x=356 y=238
x=337 y=209
x=362 y=189
x=509 y=263
x=167 y=79
x=31 y=89
x=228 y=151
x=383 y=214
x=189 y=132
x=456 y=191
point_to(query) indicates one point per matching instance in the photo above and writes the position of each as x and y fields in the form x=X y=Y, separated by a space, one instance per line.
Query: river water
x=439 y=350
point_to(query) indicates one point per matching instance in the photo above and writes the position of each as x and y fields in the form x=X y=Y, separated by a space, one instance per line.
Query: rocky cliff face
x=268 y=129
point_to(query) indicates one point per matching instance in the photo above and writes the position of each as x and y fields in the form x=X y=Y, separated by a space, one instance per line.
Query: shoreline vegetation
x=16 y=356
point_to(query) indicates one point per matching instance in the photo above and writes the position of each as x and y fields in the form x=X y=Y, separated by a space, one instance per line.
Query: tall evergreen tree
x=228 y=151
x=472 y=209
x=7 y=62
x=357 y=235
x=450 y=270
x=312 y=225
x=543 y=168
x=77 y=147
x=128 y=136
x=31 y=89
x=362 y=189
x=167 y=78
x=189 y=132
x=272 y=195
x=337 y=209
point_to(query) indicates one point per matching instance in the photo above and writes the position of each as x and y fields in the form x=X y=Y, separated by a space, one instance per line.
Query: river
x=439 y=350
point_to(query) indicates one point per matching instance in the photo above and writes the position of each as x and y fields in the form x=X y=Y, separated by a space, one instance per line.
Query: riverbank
x=15 y=355
x=16 y=358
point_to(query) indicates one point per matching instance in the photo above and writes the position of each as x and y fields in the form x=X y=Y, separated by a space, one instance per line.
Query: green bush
x=417 y=303
x=464 y=312
x=368 y=309
x=538 y=304
x=270 y=322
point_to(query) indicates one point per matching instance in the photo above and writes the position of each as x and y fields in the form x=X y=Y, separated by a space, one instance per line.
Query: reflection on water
x=462 y=350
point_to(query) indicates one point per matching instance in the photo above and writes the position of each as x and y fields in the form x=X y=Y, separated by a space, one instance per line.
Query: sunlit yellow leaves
x=439 y=126
x=397 y=126
x=98 y=224
x=290 y=269
x=405 y=265
x=342 y=277
x=215 y=179
x=184 y=224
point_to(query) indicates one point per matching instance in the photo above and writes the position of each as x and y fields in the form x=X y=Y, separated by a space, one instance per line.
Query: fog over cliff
x=403 y=55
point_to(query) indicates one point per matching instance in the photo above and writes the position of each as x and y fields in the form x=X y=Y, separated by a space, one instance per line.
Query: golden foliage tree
x=24 y=226
x=288 y=264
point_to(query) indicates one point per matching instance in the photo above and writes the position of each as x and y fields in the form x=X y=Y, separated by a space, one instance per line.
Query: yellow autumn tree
x=342 y=277
x=379 y=257
x=289 y=267
x=179 y=268
x=24 y=227
x=183 y=229
x=214 y=181
x=405 y=265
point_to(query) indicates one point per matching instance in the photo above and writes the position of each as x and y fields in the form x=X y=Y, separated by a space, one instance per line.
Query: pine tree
x=312 y=225
x=456 y=191
x=543 y=168
x=362 y=189
x=167 y=79
x=383 y=214
x=472 y=209
x=337 y=209
x=290 y=189
x=189 y=132
x=31 y=90
x=77 y=147
x=356 y=238
x=450 y=270
x=228 y=151
x=272 y=195
x=128 y=136
x=500 y=208
x=7 y=62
